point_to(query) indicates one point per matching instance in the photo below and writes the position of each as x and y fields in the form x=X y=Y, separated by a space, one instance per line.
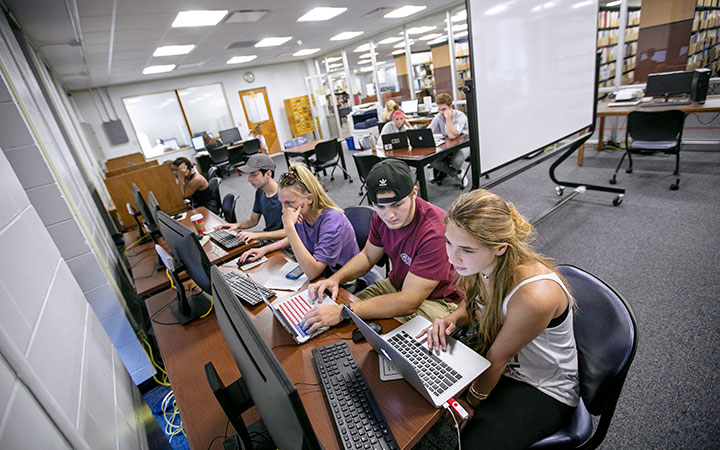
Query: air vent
x=246 y=16
x=378 y=13
x=241 y=44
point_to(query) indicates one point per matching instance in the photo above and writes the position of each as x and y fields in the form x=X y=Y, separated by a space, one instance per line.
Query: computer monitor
x=669 y=83
x=153 y=206
x=198 y=143
x=188 y=255
x=171 y=143
x=409 y=106
x=230 y=135
x=274 y=395
x=142 y=207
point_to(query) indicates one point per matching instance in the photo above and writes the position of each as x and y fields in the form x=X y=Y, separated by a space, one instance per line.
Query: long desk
x=186 y=350
x=306 y=151
x=142 y=258
x=712 y=104
x=421 y=157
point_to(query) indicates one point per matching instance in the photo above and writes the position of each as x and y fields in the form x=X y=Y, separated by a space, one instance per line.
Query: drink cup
x=199 y=222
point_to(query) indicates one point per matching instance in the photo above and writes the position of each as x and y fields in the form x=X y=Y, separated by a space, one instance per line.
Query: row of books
x=611 y=19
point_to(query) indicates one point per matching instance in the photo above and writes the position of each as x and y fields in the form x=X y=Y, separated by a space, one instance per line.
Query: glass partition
x=157 y=117
x=206 y=108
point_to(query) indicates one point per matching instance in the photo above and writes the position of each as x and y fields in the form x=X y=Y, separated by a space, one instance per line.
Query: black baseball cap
x=389 y=175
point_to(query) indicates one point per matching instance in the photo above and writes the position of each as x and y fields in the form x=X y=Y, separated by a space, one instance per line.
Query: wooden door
x=257 y=112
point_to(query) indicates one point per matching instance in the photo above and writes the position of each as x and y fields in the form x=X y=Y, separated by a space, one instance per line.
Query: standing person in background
x=256 y=133
x=451 y=123
x=390 y=108
x=193 y=186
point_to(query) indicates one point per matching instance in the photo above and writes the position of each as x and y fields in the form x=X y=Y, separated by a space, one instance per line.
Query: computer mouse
x=357 y=336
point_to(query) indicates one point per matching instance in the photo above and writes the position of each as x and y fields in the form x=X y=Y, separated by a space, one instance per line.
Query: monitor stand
x=186 y=310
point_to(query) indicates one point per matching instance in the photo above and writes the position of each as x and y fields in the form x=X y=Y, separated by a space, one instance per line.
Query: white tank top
x=548 y=362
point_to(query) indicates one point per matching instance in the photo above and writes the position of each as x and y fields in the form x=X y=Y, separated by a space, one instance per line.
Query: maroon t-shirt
x=419 y=248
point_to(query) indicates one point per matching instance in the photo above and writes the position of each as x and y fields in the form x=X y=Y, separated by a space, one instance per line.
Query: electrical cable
x=149 y=354
x=135 y=243
x=212 y=302
x=457 y=426
x=340 y=337
x=709 y=122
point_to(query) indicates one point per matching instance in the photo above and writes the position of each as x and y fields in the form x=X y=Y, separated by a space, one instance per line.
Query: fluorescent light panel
x=429 y=37
x=364 y=61
x=273 y=41
x=390 y=40
x=171 y=50
x=459 y=17
x=615 y=3
x=460 y=34
x=402 y=44
x=362 y=48
x=198 y=18
x=333 y=59
x=321 y=13
x=367 y=55
x=241 y=59
x=398 y=52
x=438 y=40
x=345 y=35
x=306 y=51
x=404 y=11
x=420 y=30
x=158 y=69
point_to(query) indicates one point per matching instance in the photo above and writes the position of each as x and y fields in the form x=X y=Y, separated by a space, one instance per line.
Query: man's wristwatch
x=344 y=314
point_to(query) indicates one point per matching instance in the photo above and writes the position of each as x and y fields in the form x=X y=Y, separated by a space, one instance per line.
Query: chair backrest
x=656 y=125
x=326 y=151
x=214 y=184
x=236 y=155
x=228 y=207
x=251 y=146
x=380 y=126
x=219 y=155
x=212 y=172
x=204 y=162
x=606 y=335
x=364 y=163
x=359 y=217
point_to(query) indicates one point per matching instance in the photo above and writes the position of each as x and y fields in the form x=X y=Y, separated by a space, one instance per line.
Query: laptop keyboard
x=244 y=288
x=435 y=374
x=225 y=239
x=358 y=419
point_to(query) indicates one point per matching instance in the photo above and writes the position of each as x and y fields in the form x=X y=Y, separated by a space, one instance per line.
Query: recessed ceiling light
x=404 y=11
x=334 y=66
x=420 y=30
x=241 y=59
x=345 y=35
x=459 y=17
x=615 y=3
x=366 y=69
x=460 y=34
x=362 y=48
x=171 y=50
x=333 y=59
x=402 y=44
x=459 y=27
x=321 y=13
x=158 y=69
x=306 y=51
x=581 y=4
x=367 y=55
x=398 y=52
x=273 y=41
x=246 y=16
x=364 y=61
x=429 y=37
x=198 y=18
x=391 y=40
x=439 y=40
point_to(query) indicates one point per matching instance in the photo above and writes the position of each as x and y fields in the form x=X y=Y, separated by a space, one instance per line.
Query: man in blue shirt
x=261 y=170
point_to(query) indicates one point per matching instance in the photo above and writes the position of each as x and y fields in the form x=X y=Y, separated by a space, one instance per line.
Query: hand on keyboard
x=437 y=332
x=321 y=316
x=245 y=236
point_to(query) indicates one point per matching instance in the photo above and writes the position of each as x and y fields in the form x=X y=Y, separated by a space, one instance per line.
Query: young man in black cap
x=411 y=232
x=261 y=169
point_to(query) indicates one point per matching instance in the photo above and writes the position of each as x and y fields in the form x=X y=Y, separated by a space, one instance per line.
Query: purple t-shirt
x=331 y=239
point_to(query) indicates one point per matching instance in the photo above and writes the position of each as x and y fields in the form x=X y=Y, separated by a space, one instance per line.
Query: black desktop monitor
x=198 y=143
x=153 y=206
x=669 y=83
x=230 y=135
x=188 y=255
x=142 y=207
x=274 y=395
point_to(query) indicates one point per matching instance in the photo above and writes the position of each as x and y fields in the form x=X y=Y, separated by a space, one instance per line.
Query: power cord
x=453 y=407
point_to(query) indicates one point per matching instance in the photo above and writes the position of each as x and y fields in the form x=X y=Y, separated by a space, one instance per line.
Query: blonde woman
x=522 y=314
x=320 y=235
x=256 y=133
x=390 y=108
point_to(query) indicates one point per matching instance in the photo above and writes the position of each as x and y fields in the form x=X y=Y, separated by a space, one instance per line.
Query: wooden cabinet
x=299 y=115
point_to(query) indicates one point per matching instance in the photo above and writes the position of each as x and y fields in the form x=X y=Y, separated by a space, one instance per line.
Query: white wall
x=281 y=81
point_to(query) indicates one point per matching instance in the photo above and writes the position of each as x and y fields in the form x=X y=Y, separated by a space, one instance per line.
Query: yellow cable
x=167 y=272
x=135 y=243
x=211 y=307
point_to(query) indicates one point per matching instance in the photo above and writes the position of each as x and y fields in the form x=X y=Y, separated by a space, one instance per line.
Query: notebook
x=421 y=138
x=451 y=370
x=394 y=141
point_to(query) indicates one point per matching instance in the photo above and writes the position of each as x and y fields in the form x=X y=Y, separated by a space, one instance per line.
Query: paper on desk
x=279 y=281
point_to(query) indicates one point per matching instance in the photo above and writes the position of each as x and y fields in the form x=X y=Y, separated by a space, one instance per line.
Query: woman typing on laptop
x=318 y=232
x=522 y=315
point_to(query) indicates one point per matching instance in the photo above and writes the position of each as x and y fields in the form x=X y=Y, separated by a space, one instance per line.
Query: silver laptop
x=437 y=377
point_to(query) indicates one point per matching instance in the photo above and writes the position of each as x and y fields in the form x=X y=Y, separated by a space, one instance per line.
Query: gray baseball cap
x=258 y=162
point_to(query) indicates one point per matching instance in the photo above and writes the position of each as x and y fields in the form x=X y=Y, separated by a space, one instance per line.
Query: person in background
x=193 y=185
x=390 y=108
x=256 y=133
x=410 y=231
x=320 y=235
x=210 y=142
x=451 y=123
x=261 y=176
x=398 y=123
x=522 y=315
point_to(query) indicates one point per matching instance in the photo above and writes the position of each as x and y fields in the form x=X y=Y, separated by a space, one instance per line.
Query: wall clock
x=249 y=77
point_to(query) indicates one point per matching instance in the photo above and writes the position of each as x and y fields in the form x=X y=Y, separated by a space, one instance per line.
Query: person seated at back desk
x=193 y=186
x=398 y=123
x=390 y=108
x=410 y=230
x=211 y=143
x=318 y=232
x=451 y=123
x=261 y=170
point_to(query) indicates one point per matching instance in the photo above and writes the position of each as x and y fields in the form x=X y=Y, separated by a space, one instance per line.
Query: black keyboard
x=358 y=419
x=435 y=374
x=244 y=288
x=225 y=239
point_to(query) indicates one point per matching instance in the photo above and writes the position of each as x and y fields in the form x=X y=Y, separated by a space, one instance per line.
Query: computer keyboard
x=435 y=374
x=358 y=419
x=225 y=239
x=665 y=103
x=244 y=288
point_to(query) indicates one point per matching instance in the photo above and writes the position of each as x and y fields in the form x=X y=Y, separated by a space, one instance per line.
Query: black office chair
x=380 y=126
x=228 y=207
x=236 y=157
x=606 y=336
x=364 y=163
x=205 y=164
x=212 y=172
x=219 y=158
x=359 y=217
x=327 y=154
x=653 y=132
x=214 y=186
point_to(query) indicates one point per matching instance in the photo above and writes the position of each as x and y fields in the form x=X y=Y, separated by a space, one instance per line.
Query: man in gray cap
x=411 y=232
x=261 y=171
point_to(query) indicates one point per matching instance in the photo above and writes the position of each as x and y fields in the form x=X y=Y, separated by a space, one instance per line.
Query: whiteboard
x=533 y=66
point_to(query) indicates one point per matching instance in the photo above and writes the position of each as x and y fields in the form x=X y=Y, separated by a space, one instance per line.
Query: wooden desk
x=420 y=157
x=712 y=104
x=148 y=281
x=306 y=151
x=422 y=121
x=186 y=350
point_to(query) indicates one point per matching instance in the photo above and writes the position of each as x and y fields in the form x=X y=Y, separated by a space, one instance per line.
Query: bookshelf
x=608 y=31
x=462 y=64
x=704 y=48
